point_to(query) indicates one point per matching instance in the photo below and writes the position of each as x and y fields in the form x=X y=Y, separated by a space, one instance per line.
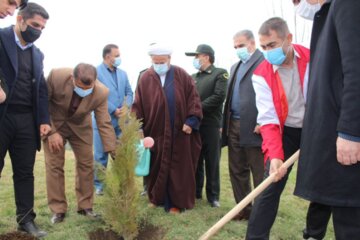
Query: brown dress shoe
x=57 y=218
x=88 y=213
x=174 y=210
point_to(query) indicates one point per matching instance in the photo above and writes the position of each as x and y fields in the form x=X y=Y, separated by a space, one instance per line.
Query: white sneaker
x=99 y=192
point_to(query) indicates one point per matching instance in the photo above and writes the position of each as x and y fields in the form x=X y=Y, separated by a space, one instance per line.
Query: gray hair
x=276 y=24
x=246 y=33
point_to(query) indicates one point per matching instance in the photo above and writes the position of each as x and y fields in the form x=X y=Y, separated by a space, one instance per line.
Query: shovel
x=248 y=199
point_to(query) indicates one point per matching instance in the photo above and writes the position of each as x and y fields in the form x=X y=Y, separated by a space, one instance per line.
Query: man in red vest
x=280 y=84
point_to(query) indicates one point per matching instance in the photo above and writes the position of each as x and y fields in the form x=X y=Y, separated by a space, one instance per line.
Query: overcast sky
x=78 y=30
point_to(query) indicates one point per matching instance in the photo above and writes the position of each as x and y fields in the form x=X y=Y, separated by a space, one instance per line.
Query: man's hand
x=141 y=134
x=347 y=152
x=123 y=111
x=117 y=113
x=2 y=95
x=44 y=130
x=187 y=129
x=257 y=129
x=112 y=154
x=277 y=168
x=56 y=142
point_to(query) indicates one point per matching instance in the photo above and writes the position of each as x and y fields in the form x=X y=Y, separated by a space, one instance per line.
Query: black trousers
x=267 y=203
x=18 y=136
x=346 y=221
x=317 y=219
x=210 y=157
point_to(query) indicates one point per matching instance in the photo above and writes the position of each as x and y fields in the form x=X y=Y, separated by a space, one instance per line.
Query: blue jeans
x=100 y=156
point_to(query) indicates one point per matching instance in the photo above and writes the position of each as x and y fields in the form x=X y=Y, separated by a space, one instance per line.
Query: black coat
x=248 y=111
x=333 y=105
x=9 y=67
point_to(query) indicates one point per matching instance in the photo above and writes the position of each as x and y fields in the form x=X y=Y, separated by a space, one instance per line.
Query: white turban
x=159 y=49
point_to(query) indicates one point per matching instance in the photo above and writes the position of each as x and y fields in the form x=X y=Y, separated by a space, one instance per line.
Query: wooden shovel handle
x=248 y=199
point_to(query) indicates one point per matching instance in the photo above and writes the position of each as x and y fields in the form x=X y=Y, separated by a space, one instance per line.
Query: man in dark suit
x=240 y=131
x=329 y=164
x=24 y=117
x=211 y=84
x=8 y=8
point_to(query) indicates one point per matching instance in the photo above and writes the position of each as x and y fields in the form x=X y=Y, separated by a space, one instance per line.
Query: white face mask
x=307 y=10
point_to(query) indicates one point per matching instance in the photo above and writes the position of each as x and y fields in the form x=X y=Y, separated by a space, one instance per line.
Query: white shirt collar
x=17 y=40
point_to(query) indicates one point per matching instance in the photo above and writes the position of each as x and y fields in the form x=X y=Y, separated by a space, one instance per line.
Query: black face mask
x=30 y=34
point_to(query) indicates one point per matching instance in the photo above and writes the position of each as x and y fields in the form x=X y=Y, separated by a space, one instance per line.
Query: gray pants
x=242 y=161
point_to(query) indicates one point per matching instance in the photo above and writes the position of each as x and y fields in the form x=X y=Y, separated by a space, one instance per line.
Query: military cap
x=202 y=48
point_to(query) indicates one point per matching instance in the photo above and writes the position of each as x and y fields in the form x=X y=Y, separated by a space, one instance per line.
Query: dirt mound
x=146 y=232
x=16 y=236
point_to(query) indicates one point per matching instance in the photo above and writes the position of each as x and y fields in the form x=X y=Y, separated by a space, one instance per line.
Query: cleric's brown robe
x=175 y=154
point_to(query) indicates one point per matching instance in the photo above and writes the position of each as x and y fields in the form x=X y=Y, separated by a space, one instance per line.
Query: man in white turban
x=169 y=107
x=159 y=49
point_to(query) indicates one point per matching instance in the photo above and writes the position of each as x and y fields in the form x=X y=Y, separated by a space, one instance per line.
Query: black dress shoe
x=88 y=213
x=32 y=229
x=242 y=216
x=215 y=204
x=57 y=218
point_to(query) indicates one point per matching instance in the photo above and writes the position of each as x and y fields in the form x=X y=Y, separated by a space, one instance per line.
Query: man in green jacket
x=211 y=83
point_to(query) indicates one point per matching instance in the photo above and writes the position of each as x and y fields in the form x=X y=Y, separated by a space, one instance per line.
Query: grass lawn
x=188 y=225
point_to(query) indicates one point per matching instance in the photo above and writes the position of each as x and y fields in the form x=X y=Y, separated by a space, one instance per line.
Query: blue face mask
x=161 y=69
x=81 y=92
x=196 y=63
x=275 y=56
x=243 y=54
x=117 y=62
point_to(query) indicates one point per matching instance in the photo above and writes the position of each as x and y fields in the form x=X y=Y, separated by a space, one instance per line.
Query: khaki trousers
x=55 y=180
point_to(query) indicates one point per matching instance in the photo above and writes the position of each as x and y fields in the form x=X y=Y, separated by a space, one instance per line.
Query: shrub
x=120 y=192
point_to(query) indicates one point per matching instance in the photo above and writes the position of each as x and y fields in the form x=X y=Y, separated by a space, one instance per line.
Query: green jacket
x=211 y=85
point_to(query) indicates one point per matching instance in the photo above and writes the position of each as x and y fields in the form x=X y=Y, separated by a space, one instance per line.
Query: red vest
x=271 y=133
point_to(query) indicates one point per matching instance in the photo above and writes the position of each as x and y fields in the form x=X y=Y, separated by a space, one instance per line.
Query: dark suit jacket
x=333 y=105
x=248 y=111
x=9 y=66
